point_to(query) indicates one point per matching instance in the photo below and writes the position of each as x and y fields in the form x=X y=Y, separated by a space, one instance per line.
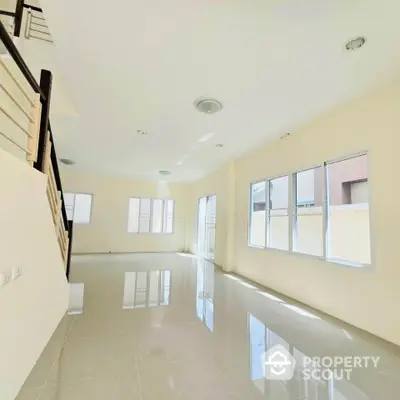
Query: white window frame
x=268 y=213
x=293 y=218
x=251 y=212
x=151 y=216
x=292 y=214
x=73 y=206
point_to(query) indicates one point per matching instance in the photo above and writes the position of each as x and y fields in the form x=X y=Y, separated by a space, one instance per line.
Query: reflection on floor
x=205 y=294
x=164 y=326
x=146 y=289
x=76 y=298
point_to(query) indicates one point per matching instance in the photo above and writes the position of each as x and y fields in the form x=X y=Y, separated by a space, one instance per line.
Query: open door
x=206 y=227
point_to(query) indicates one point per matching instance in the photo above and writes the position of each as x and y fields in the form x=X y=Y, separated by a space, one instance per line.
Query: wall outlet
x=5 y=277
x=16 y=273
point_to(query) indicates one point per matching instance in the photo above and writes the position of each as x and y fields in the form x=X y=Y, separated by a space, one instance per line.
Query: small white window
x=144 y=216
x=133 y=218
x=157 y=220
x=150 y=215
x=168 y=216
x=78 y=207
x=69 y=200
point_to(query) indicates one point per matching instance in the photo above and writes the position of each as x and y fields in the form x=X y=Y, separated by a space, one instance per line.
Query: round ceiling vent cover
x=208 y=106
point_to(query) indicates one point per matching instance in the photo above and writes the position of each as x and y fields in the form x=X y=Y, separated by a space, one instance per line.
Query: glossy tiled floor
x=164 y=326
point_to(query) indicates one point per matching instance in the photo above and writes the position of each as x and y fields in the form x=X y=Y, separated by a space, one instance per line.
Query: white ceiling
x=273 y=64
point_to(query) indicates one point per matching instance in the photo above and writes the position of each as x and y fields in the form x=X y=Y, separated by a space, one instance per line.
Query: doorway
x=207 y=212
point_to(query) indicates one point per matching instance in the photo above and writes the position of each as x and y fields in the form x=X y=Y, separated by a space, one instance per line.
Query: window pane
x=82 y=208
x=257 y=214
x=144 y=216
x=133 y=218
x=154 y=289
x=308 y=237
x=278 y=229
x=348 y=205
x=168 y=216
x=157 y=216
x=69 y=200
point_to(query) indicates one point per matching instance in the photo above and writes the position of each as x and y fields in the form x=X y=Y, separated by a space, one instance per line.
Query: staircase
x=35 y=233
x=25 y=130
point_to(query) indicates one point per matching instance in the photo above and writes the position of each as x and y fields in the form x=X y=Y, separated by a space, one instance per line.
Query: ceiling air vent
x=208 y=106
x=67 y=161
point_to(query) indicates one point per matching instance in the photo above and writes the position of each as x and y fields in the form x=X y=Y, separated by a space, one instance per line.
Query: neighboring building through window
x=329 y=217
x=348 y=211
x=308 y=220
x=257 y=214
x=78 y=207
x=278 y=221
x=150 y=215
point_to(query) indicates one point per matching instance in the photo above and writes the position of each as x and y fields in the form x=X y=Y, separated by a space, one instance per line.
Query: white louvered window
x=150 y=215
x=78 y=207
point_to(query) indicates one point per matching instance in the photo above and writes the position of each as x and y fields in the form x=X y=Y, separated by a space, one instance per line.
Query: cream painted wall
x=367 y=298
x=108 y=230
x=31 y=306
x=349 y=232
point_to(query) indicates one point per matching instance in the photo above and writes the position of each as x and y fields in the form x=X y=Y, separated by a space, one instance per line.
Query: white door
x=206 y=227
x=201 y=228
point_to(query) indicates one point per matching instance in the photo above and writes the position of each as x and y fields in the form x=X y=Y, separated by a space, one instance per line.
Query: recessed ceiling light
x=219 y=145
x=141 y=132
x=207 y=105
x=67 y=161
x=206 y=137
x=164 y=172
x=355 y=44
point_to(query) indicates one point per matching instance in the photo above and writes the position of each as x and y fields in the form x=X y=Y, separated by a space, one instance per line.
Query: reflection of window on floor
x=257 y=347
x=261 y=339
x=146 y=289
x=205 y=294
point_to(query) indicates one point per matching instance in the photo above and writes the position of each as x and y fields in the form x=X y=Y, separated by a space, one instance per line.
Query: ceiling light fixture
x=355 y=44
x=219 y=145
x=164 y=172
x=208 y=105
x=67 y=161
x=206 y=137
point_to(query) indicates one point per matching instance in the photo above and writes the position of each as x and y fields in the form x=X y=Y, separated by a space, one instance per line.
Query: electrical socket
x=16 y=273
x=5 y=277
